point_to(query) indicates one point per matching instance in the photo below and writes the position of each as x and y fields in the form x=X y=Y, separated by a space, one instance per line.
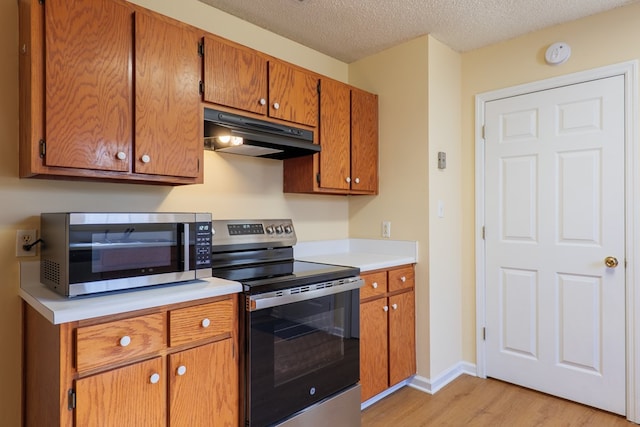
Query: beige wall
x=418 y=84
x=235 y=187
x=596 y=41
x=400 y=78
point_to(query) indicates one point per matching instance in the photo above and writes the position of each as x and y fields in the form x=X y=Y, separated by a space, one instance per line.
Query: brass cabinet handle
x=611 y=262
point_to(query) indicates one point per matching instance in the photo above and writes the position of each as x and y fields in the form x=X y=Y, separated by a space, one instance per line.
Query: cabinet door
x=88 y=94
x=169 y=117
x=334 y=134
x=203 y=386
x=364 y=142
x=123 y=397
x=373 y=347
x=234 y=76
x=293 y=94
x=402 y=337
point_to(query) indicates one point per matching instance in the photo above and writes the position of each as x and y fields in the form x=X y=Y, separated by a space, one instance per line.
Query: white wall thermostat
x=557 y=53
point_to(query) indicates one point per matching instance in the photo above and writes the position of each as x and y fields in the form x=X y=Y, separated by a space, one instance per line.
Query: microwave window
x=132 y=250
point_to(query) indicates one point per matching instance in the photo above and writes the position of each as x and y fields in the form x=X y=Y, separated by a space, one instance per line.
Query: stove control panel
x=257 y=233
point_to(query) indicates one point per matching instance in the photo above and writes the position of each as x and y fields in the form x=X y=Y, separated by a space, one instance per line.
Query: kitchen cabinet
x=244 y=79
x=348 y=136
x=175 y=365
x=118 y=98
x=387 y=329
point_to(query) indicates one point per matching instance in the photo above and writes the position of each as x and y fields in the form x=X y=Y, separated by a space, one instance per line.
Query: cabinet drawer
x=111 y=342
x=374 y=284
x=401 y=278
x=200 y=322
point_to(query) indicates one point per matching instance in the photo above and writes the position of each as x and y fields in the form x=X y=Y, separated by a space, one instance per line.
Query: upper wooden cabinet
x=348 y=136
x=119 y=95
x=235 y=76
x=244 y=79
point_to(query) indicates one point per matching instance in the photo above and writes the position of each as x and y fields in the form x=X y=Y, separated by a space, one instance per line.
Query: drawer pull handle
x=375 y=285
x=403 y=279
x=385 y=308
x=205 y=322
x=125 y=341
x=155 y=378
x=181 y=370
x=395 y=306
x=145 y=158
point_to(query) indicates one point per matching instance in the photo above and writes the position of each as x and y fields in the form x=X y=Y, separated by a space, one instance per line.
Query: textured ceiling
x=352 y=29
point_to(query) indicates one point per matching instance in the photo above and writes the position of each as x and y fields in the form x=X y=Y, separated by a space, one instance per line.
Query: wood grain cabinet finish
x=241 y=78
x=118 y=98
x=387 y=329
x=348 y=136
x=84 y=374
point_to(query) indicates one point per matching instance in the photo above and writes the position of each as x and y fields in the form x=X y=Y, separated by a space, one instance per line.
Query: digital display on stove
x=244 y=229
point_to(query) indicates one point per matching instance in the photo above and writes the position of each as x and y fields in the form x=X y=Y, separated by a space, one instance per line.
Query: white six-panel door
x=554 y=211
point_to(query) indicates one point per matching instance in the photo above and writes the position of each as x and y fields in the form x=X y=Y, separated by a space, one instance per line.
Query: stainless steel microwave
x=88 y=253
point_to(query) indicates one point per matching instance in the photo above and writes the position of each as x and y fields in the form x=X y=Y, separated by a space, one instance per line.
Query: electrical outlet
x=386 y=229
x=25 y=237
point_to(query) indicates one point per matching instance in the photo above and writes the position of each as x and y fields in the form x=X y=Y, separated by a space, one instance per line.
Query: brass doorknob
x=611 y=262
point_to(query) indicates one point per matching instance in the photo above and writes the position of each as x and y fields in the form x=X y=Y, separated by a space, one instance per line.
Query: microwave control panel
x=203 y=244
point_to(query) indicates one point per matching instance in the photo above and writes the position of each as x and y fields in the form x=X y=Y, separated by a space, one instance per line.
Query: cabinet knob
x=276 y=106
x=145 y=158
x=125 y=341
x=374 y=285
x=348 y=179
x=394 y=306
x=205 y=322
x=385 y=308
x=181 y=370
x=121 y=155
x=155 y=378
x=262 y=101
x=357 y=180
x=403 y=279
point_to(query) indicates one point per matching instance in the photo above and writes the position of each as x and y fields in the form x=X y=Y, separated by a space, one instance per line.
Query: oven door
x=301 y=352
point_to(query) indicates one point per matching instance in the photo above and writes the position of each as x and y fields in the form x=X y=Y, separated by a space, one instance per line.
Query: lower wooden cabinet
x=171 y=366
x=387 y=329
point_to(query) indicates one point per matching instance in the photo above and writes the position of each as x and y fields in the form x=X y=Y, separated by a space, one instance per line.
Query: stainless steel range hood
x=231 y=133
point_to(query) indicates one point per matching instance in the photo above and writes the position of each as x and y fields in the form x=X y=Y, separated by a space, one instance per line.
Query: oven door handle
x=303 y=293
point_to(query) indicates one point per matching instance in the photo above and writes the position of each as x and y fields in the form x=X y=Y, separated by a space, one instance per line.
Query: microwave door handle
x=185 y=246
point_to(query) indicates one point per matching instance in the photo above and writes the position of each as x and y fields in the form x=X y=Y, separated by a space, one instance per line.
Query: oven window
x=301 y=353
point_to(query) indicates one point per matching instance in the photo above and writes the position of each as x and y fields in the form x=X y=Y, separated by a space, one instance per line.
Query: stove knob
x=279 y=229
x=270 y=229
x=288 y=229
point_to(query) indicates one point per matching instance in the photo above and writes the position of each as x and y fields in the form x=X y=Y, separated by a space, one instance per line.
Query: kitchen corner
x=366 y=254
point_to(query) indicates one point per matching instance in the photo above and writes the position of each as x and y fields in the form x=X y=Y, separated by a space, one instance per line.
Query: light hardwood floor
x=471 y=401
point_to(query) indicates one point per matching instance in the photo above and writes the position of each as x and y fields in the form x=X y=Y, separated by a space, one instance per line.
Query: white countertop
x=366 y=254
x=58 y=309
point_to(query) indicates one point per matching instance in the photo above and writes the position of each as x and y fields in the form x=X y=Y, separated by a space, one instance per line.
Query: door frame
x=632 y=213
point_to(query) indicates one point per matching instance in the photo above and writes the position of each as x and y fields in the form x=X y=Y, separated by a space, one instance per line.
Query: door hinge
x=201 y=87
x=43 y=148
x=318 y=87
x=72 y=399
x=483 y=131
x=483 y=232
x=201 y=49
x=318 y=178
x=484 y=334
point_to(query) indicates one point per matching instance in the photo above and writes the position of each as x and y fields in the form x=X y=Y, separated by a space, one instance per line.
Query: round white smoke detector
x=557 y=53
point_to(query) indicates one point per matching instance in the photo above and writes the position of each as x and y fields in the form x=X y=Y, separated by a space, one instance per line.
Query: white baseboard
x=431 y=386
x=426 y=385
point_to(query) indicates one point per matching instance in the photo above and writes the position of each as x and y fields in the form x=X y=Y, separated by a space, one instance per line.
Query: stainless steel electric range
x=299 y=326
